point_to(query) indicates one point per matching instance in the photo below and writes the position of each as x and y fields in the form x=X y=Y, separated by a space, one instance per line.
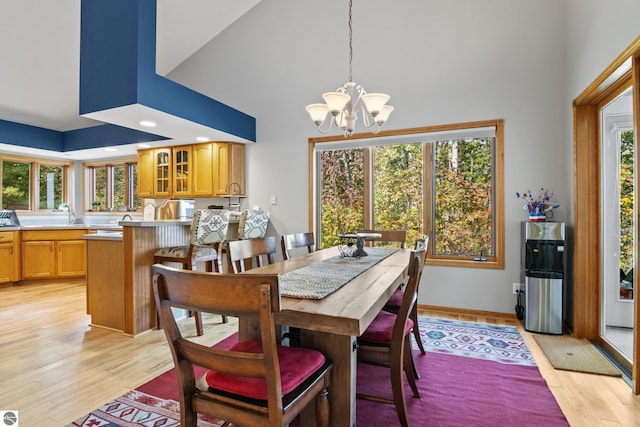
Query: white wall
x=441 y=62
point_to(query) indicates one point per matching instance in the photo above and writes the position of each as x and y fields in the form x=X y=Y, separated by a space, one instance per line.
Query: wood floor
x=54 y=368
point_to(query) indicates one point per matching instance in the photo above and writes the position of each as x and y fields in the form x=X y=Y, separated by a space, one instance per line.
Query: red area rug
x=457 y=389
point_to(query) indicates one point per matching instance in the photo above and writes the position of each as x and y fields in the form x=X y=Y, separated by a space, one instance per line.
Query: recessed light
x=148 y=123
x=144 y=145
x=202 y=139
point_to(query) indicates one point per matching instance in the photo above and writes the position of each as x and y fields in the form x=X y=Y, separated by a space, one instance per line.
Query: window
x=33 y=184
x=16 y=185
x=51 y=180
x=442 y=181
x=111 y=186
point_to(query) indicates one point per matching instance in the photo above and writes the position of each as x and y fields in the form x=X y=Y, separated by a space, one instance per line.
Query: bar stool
x=208 y=232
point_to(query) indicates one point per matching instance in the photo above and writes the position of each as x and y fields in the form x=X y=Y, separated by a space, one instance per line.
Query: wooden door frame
x=587 y=197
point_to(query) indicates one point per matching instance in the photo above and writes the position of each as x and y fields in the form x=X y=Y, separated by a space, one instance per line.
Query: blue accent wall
x=30 y=136
x=117 y=67
x=104 y=136
x=92 y=137
x=108 y=54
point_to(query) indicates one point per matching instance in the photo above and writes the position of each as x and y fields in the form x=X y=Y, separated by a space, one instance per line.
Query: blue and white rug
x=502 y=344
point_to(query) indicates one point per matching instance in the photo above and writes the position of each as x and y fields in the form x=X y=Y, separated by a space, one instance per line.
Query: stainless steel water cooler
x=543 y=271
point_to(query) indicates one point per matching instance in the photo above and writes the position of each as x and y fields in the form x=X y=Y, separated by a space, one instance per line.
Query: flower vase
x=537 y=218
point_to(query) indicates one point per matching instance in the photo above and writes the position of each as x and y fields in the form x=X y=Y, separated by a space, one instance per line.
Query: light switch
x=274 y=199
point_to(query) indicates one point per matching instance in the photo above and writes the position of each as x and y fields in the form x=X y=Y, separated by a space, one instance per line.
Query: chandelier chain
x=350 y=42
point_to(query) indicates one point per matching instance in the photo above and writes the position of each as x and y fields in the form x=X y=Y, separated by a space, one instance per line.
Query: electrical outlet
x=274 y=199
x=516 y=288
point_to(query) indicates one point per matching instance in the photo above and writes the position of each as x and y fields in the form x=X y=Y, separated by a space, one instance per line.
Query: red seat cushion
x=396 y=299
x=296 y=365
x=381 y=329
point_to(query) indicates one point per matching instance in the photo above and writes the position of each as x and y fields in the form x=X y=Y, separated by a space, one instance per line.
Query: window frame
x=34 y=181
x=401 y=135
x=89 y=183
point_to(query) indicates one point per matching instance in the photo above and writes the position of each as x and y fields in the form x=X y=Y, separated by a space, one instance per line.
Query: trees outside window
x=16 y=185
x=444 y=182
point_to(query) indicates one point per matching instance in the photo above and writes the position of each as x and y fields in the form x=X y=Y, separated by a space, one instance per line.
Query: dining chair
x=254 y=250
x=208 y=231
x=253 y=224
x=253 y=382
x=394 y=303
x=386 y=343
x=388 y=238
x=291 y=242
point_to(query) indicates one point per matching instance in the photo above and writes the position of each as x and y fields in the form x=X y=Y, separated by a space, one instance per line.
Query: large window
x=442 y=181
x=111 y=186
x=30 y=184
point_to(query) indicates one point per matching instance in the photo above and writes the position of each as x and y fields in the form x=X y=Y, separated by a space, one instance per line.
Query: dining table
x=331 y=323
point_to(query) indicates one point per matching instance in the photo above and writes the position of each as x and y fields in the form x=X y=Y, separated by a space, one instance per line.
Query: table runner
x=320 y=279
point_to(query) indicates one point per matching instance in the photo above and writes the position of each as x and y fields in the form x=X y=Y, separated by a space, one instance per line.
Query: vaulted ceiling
x=40 y=51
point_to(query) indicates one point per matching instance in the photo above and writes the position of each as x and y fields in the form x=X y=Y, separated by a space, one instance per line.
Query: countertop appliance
x=176 y=209
x=9 y=218
x=543 y=271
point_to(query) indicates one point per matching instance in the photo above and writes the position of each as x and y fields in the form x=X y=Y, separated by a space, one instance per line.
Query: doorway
x=618 y=227
x=602 y=294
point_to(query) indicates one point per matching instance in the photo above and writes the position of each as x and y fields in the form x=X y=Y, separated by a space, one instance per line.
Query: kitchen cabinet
x=9 y=256
x=53 y=254
x=145 y=173
x=199 y=170
x=181 y=170
x=162 y=172
x=202 y=170
x=228 y=161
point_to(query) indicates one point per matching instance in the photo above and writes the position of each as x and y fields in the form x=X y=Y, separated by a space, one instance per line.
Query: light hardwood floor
x=55 y=368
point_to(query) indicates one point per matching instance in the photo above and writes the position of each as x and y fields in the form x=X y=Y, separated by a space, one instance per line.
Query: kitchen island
x=119 y=275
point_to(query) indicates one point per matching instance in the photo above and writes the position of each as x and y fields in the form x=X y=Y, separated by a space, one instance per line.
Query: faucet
x=71 y=218
x=126 y=216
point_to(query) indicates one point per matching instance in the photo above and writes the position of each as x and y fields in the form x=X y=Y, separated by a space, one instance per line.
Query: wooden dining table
x=333 y=323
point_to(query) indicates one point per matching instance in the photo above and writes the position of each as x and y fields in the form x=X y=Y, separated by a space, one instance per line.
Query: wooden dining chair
x=291 y=242
x=394 y=303
x=386 y=343
x=207 y=234
x=254 y=383
x=254 y=250
x=396 y=238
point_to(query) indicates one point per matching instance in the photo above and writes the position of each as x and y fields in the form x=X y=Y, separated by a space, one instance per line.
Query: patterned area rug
x=139 y=409
x=502 y=344
x=473 y=374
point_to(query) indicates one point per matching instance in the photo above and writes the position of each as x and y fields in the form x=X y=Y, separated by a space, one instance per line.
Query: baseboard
x=466 y=311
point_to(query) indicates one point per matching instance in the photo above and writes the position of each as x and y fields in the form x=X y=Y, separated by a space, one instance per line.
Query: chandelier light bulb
x=374 y=102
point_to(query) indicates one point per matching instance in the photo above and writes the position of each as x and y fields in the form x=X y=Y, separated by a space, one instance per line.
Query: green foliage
x=626 y=200
x=398 y=189
x=462 y=201
x=57 y=172
x=463 y=197
x=15 y=185
x=342 y=198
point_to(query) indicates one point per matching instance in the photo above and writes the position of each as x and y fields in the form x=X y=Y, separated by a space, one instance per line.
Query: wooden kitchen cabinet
x=162 y=172
x=53 y=254
x=9 y=257
x=202 y=170
x=181 y=170
x=228 y=161
x=145 y=173
x=199 y=170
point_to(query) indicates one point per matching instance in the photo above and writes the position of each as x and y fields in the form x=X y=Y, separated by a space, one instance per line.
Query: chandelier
x=341 y=108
